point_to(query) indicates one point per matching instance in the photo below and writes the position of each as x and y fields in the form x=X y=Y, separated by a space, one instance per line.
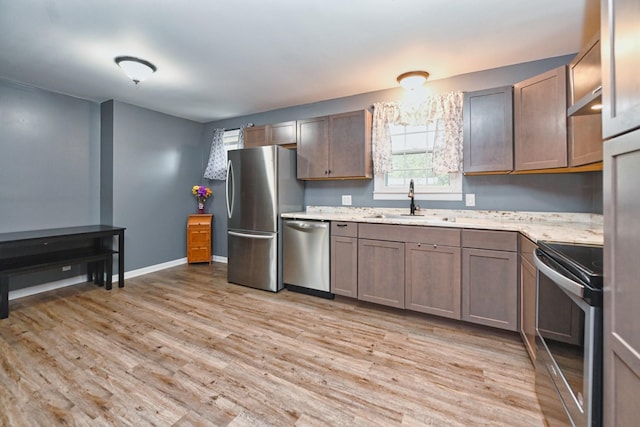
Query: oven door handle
x=568 y=285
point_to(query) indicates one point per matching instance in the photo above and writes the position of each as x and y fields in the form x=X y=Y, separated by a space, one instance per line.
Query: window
x=412 y=157
x=231 y=139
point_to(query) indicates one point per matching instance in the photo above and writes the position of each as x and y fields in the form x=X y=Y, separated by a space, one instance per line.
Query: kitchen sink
x=417 y=217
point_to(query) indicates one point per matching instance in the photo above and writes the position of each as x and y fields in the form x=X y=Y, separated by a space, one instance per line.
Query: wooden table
x=28 y=251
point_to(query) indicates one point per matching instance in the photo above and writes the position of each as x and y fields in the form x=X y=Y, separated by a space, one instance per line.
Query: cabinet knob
x=435 y=246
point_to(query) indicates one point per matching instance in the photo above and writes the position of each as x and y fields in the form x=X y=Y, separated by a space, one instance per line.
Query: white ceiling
x=225 y=58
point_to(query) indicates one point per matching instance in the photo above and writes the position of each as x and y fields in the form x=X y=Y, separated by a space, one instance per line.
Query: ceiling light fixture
x=412 y=79
x=135 y=68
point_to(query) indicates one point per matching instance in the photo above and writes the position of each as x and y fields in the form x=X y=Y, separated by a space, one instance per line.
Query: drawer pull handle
x=341 y=225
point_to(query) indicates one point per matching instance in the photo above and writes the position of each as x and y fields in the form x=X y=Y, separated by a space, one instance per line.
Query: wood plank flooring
x=182 y=347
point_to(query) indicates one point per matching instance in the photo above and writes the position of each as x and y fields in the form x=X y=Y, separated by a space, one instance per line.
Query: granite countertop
x=581 y=228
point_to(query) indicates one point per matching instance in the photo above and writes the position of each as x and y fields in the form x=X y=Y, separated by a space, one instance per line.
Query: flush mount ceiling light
x=412 y=79
x=135 y=68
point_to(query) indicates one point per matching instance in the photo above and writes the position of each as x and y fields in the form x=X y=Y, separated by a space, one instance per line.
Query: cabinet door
x=350 y=145
x=528 y=306
x=622 y=284
x=284 y=133
x=381 y=272
x=344 y=266
x=433 y=279
x=490 y=288
x=488 y=130
x=620 y=64
x=255 y=136
x=313 y=148
x=540 y=121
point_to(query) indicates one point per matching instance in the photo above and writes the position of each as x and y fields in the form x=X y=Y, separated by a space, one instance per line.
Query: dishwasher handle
x=306 y=225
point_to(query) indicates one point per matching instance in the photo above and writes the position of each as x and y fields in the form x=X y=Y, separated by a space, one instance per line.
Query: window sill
x=424 y=196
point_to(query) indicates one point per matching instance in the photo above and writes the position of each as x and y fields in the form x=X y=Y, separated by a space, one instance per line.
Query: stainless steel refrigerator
x=261 y=184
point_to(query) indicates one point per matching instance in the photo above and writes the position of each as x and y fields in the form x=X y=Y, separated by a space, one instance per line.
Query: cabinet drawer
x=527 y=247
x=199 y=238
x=487 y=239
x=410 y=234
x=199 y=220
x=345 y=229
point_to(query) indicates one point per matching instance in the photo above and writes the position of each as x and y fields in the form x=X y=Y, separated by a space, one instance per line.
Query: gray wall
x=49 y=159
x=56 y=172
x=49 y=164
x=559 y=192
x=156 y=160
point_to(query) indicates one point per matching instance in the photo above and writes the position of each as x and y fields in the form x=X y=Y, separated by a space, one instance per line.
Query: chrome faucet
x=412 y=206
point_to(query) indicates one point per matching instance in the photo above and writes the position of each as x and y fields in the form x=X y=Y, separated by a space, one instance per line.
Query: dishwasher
x=305 y=255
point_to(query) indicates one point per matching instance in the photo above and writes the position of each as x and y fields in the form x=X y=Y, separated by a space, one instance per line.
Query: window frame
x=452 y=192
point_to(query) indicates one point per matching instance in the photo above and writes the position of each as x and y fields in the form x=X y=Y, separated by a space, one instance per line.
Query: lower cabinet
x=470 y=275
x=528 y=296
x=381 y=272
x=344 y=259
x=490 y=278
x=432 y=282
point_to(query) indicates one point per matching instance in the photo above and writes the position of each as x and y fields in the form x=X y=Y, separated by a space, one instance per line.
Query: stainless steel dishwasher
x=305 y=255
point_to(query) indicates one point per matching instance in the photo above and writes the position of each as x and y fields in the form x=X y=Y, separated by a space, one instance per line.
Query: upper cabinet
x=540 y=124
x=284 y=133
x=583 y=115
x=620 y=62
x=488 y=130
x=335 y=147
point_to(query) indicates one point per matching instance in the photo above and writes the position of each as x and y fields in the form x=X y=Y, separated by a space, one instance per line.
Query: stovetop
x=584 y=261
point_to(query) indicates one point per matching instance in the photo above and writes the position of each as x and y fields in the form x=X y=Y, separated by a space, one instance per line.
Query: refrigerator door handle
x=229 y=183
x=250 y=236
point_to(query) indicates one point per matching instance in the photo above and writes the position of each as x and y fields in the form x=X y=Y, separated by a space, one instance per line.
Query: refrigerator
x=261 y=184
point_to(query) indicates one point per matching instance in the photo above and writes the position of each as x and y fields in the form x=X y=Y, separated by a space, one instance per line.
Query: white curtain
x=447 y=150
x=217 y=165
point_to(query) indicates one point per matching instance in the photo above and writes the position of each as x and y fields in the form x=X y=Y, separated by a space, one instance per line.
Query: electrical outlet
x=346 y=200
x=470 y=199
x=66 y=268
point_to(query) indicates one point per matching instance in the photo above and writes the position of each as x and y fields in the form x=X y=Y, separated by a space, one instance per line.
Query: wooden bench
x=99 y=263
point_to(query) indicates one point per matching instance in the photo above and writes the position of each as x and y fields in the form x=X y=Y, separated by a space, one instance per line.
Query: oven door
x=569 y=341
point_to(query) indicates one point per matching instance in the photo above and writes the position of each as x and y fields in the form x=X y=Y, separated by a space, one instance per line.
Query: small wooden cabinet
x=528 y=296
x=335 y=147
x=490 y=278
x=540 y=121
x=199 y=238
x=284 y=133
x=488 y=130
x=344 y=259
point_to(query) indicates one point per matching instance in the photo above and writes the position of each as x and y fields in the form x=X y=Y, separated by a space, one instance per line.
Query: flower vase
x=200 y=207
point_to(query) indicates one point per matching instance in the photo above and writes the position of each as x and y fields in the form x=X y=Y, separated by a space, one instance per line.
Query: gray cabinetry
x=585 y=122
x=381 y=272
x=528 y=296
x=540 y=123
x=344 y=259
x=621 y=118
x=284 y=133
x=335 y=147
x=490 y=278
x=433 y=279
x=488 y=130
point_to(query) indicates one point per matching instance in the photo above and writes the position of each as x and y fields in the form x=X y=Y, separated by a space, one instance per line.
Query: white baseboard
x=222 y=259
x=32 y=290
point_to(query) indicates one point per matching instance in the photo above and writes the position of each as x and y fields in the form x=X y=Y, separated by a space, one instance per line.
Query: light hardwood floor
x=182 y=347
